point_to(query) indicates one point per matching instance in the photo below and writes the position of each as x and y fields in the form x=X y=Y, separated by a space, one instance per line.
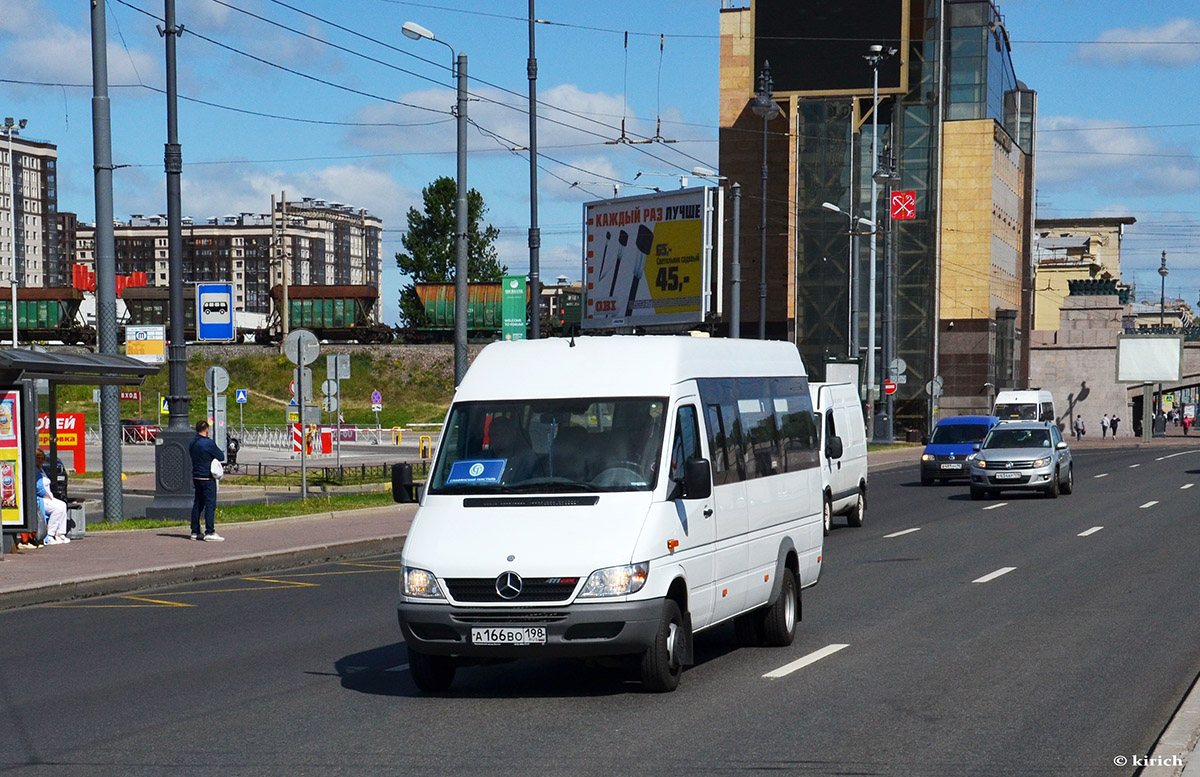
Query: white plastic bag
x=217 y=469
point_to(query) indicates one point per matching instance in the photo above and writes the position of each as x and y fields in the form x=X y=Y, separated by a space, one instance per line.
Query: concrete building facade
x=29 y=239
x=960 y=129
x=1072 y=249
x=320 y=243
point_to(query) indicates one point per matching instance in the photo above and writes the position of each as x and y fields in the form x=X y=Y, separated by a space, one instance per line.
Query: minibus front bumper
x=572 y=631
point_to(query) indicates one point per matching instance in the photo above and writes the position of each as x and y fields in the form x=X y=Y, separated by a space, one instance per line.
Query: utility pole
x=735 y=267
x=106 y=265
x=535 y=234
x=172 y=495
x=283 y=248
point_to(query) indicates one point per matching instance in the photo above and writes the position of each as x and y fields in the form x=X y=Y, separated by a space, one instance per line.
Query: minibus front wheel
x=662 y=663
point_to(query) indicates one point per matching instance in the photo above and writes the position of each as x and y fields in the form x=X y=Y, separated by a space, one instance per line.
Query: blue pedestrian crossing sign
x=241 y=396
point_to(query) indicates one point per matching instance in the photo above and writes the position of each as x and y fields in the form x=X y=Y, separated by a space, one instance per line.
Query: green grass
x=246 y=513
x=416 y=386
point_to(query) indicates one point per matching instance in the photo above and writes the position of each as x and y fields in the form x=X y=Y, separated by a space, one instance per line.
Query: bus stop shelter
x=20 y=369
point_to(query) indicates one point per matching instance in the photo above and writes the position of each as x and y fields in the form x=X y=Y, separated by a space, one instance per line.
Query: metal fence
x=279 y=437
x=353 y=473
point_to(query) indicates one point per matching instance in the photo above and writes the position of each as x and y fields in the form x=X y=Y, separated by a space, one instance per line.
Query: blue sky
x=368 y=124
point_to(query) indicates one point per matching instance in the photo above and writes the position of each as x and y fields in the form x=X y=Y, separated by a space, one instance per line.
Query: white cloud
x=1172 y=44
x=1111 y=158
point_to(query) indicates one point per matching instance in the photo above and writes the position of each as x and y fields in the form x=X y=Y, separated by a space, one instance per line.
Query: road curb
x=135 y=580
x=1172 y=754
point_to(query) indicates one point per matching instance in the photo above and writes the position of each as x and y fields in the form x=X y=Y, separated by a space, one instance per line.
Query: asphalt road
x=1074 y=657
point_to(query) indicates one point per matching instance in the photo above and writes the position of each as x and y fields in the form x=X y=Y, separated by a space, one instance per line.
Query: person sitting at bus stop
x=203 y=451
x=53 y=508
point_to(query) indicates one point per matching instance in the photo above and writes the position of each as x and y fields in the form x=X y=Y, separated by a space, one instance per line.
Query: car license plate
x=1007 y=475
x=509 y=635
x=951 y=466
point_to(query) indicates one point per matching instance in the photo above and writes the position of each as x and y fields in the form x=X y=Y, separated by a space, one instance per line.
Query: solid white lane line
x=1101 y=475
x=898 y=533
x=994 y=575
x=993 y=507
x=800 y=663
x=1134 y=466
x=1149 y=504
x=401 y=668
x=1186 y=486
x=1090 y=531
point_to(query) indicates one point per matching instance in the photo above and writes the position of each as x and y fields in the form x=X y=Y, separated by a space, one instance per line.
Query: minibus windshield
x=550 y=446
x=1017 y=411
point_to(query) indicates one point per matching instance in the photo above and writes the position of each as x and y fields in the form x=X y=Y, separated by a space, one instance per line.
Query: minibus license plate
x=1007 y=475
x=509 y=635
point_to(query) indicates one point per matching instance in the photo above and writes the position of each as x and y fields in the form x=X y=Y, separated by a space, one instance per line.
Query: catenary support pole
x=106 y=265
x=535 y=234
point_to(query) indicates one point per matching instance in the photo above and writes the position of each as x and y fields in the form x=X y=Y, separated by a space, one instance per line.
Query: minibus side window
x=686 y=442
x=762 y=437
x=718 y=441
x=799 y=434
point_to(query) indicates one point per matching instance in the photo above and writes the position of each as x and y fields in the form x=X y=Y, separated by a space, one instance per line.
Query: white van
x=843 y=450
x=1025 y=405
x=613 y=496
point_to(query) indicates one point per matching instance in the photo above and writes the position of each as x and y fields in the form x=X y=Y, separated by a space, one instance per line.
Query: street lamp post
x=763 y=105
x=1162 y=302
x=877 y=55
x=855 y=231
x=885 y=423
x=10 y=126
x=415 y=31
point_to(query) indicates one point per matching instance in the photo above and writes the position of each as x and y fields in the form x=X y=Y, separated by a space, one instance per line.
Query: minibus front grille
x=483 y=589
x=531 y=501
x=508 y=616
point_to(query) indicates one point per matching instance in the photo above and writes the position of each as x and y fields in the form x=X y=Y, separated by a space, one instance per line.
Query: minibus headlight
x=616 y=581
x=419 y=583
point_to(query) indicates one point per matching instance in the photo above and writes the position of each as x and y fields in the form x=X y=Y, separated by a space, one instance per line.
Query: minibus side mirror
x=696 y=482
x=833 y=447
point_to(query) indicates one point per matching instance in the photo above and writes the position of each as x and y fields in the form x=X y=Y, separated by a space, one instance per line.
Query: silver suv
x=1022 y=455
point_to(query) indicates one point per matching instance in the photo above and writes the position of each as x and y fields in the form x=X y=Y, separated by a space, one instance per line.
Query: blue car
x=953 y=441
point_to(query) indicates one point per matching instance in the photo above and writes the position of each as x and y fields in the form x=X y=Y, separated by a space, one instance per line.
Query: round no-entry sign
x=889 y=387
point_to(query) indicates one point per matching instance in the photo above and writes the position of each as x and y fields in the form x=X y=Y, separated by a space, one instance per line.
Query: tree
x=429 y=244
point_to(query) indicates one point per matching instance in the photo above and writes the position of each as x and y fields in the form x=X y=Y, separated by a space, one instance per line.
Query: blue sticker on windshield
x=476 y=472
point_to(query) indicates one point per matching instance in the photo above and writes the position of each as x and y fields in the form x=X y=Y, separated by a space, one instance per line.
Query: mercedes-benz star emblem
x=508 y=585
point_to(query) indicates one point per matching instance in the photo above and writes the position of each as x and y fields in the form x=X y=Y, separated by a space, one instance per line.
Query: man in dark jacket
x=203 y=451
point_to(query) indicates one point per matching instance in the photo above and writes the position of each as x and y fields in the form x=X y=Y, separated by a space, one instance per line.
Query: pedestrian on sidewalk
x=1104 y=426
x=54 y=509
x=1187 y=423
x=1079 y=428
x=203 y=451
x=1113 y=424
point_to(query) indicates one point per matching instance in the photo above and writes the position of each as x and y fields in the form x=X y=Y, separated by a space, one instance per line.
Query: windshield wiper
x=556 y=486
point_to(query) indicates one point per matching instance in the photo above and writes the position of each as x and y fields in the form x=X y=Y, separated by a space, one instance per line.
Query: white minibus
x=613 y=497
x=1024 y=405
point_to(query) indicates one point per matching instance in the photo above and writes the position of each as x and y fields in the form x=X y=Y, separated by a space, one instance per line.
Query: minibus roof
x=622 y=365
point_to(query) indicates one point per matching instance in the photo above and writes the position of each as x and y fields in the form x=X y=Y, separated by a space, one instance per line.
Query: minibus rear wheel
x=432 y=674
x=662 y=663
x=779 y=621
x=855 y=518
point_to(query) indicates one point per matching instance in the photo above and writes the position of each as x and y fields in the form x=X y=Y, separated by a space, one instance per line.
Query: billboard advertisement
x=648 y=260
x=512 y=307
x=817 y=47
x=71 y=438
x=12 y=479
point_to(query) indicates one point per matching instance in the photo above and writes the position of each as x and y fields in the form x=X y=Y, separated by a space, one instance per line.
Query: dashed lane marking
x=992 y=576
x=1186 y=486
x=1134 y=466
x=899 y=533
x=1090 y=531
x=1149 y=504
x=1101 y=475
x=800 y=663
x=993 y=507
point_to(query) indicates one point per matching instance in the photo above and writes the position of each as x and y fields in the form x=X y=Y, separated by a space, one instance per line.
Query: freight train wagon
x=485 y=316
x=46 y=315
x=336 y=313
x=150 y=305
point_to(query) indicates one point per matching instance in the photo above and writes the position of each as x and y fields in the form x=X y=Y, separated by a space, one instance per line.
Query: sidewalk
x=114 y=562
